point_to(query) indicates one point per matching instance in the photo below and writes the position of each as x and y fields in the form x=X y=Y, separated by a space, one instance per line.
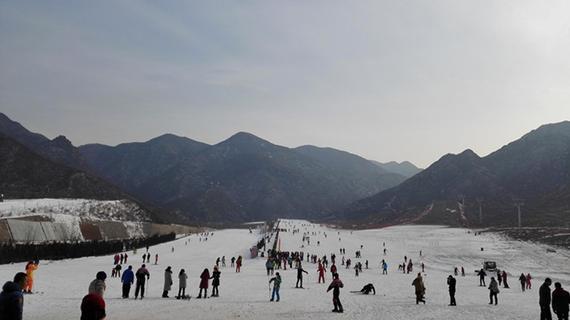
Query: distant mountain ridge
x=404 y=168
x=534 y=169
x=60 y=149
x=241 y=178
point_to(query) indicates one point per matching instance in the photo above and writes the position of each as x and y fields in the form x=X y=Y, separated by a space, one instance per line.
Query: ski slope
x=62 y=284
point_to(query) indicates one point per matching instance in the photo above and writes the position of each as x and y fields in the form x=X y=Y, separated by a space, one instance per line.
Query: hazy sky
x=389 y=80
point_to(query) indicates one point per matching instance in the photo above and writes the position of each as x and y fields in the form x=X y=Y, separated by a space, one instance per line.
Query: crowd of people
x=93 y=303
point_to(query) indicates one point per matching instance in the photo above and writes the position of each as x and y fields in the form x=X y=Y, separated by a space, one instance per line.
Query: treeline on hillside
x=12 y=252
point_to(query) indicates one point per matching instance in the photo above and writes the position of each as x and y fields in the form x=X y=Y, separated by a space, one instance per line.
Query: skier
x=31 y=267
x=167 y=281
x=98 y=285
x=321 y=271
x=223 y=261
x=233 y=260
x=462 y=271
x=93 y=307
x=269 y=266
x=418 y=283
x=117 y=270
x=367 y=289
x=545 y=299
x=156 y=259
x=204 y=280
x=482 y=274
x=122 y=258
x=528 y=281
x=142 y=275
x=451 y=283
x=276 y=285
x=215 y=282
x=12 y=299
x=560 y=301
x=384 y=267
x=126 y=256
x=500 y=277
x=300 y=271
x=423 y=267
x=335 y=285
x=182 y=277
x=144 y=257
x=333 y=269
x=238 y=264
x=493 y=291
x=505 y=284
x=128 y=278
x=522 y=279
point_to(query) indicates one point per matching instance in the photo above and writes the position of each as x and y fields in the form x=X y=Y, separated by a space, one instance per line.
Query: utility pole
x=480 y=201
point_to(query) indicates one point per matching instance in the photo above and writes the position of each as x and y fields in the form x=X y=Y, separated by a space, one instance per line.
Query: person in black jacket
x=451 y=283
x=544 y=300
x=12 y=299
x=300 y=271
x=482 y=274
x=368 y=288
x=560 y=301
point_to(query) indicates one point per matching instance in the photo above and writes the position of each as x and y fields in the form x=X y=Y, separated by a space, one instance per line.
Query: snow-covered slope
x=112 y=210
x=246 y=295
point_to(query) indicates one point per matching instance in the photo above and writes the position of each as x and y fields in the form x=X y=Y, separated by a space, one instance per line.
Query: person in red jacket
x=93 y=307
x=238 y=264
x=333 y=269
x=204 y=280
x=321 y=271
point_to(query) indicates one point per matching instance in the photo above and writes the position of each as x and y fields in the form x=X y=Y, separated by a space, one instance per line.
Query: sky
x=388 y=80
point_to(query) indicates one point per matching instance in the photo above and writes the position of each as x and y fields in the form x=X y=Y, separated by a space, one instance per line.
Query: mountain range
x=533 y=171
x=243 y=178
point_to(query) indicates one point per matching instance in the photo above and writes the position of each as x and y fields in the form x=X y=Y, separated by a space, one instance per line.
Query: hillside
x=242 y=178
x=534 y=170
x=59 y=149
x=404 y=168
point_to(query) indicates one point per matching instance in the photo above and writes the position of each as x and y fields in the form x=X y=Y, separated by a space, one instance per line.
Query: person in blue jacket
x=128 y=278
x=12 y=299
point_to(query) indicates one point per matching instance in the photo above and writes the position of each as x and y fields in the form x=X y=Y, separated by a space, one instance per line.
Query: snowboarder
x=93 y=307
x=418 y=283
x=142 y=275
x=128 y=278
x=493 y=291
x=182 y=278
x=300 y=271
x=12 y=298
x=482 y=274
x=522 y=279
x=167 y=281
x=215 y=282
x=545 y=299
x=451 y=282
x=560 y=301
x=98 y=285
x=335 y=286
x=204 y=281
x=31 y=268
x=276 y=285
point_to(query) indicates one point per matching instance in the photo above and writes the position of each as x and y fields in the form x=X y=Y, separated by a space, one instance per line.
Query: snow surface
x=246 y=295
